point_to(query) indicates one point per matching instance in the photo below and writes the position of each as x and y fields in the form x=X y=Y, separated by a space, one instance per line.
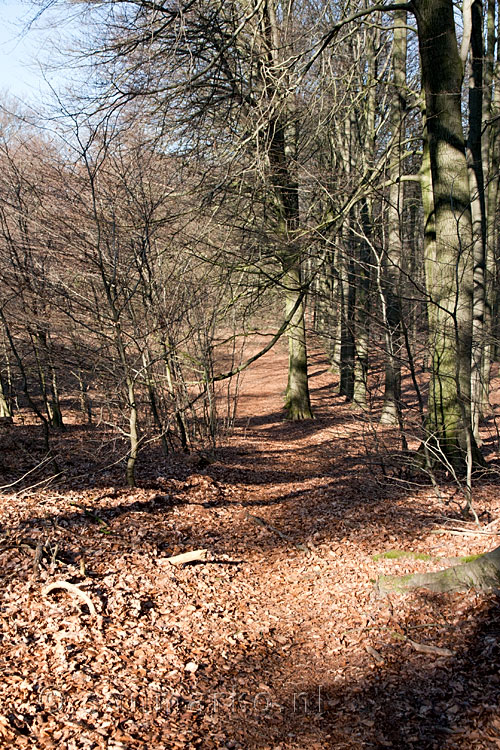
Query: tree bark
x=5 y=410
x=362 y=309
x=450 y=273
x=281 y=137
x=297 y=399
x=481 y=573
x=392 y=265
x=479 y=388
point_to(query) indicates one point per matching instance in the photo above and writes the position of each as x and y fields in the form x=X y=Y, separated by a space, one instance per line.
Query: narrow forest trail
x=277 y=641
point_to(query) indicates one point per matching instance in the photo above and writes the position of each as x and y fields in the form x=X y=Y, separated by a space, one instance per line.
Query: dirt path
x=278 y=640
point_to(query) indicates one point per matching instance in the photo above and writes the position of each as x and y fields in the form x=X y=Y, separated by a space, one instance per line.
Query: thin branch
x=328 y=38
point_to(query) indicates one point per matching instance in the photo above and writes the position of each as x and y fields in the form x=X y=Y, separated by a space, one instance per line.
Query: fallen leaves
x=276 y=639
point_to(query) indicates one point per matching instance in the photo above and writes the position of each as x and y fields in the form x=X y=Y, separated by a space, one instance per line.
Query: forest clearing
x=277 y=639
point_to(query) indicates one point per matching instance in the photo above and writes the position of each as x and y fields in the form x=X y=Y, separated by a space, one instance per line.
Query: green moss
x=423 y=556
x=398 y=554
x=391 y=554
x=468 y=558
x=405 y=579
x=394 y=583
x=398 y=636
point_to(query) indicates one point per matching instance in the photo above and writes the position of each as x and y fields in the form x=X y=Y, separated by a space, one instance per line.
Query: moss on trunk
x=482 y=573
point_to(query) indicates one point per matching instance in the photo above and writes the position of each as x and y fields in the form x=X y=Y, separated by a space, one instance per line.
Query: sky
x=22 y=52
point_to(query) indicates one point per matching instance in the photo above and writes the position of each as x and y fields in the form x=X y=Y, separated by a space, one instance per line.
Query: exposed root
x=72 y=589
x=482 y=574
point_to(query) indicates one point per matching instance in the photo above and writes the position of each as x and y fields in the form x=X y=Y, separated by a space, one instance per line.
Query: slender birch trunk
x=392 y=258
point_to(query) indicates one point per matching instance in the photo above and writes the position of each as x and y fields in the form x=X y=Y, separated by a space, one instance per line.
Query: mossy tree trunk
x=280 y=143
x=482 y=573
x=450 y=272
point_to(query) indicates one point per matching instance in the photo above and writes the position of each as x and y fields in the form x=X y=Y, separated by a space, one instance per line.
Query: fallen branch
x=47 y=459
x=379 y=659
x=424 y=648
x=463 y=532
x=186 y=557
x=72 y=589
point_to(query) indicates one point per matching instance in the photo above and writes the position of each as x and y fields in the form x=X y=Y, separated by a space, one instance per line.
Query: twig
x=375 y=654
x=54 y=554
x=22 y=493
x=423 y=648
x=455 y=520
x=42 y=463
x=464 y=532
x=92 y=514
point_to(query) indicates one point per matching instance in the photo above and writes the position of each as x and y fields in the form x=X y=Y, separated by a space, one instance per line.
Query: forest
x=249 y=378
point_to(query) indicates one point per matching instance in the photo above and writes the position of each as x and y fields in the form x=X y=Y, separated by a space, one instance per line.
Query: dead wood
x=186 y=557
x=72 y=589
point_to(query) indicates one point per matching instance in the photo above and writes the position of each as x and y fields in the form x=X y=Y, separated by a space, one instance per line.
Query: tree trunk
x=481 y=573
x=347 y=303
x=450 y=274
x=24 y=381
x=5 y=410
x=362 y=310
x=429 y=230
x=153 y=401
x=479 y=388
x=297 y=401
x=177 y=398
x=491 y=169
x=133 y=433
x=392 y=265
x=280 y=143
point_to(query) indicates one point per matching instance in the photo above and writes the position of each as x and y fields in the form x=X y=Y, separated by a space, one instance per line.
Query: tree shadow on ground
x=277 y=687
x=204 y=513
x=422 y=700
x=407 y=700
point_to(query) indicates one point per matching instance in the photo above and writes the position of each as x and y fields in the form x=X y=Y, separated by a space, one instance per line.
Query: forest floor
x=278 y=639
